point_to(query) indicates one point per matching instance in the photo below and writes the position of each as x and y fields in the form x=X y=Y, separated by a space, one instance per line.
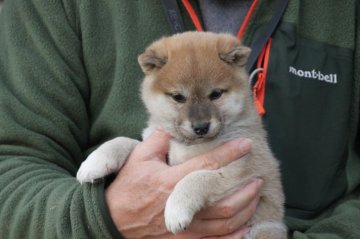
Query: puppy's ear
x=151 y=60
x=237 y=56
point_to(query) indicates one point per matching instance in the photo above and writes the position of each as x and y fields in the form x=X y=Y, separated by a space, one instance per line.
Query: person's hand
x=227 y=218
x=137 y=197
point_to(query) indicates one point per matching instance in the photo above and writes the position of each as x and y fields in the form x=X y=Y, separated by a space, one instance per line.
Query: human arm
x=44 y=100
x=44 y=126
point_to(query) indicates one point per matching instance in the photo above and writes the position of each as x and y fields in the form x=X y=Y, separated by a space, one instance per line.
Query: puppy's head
x=195 y=84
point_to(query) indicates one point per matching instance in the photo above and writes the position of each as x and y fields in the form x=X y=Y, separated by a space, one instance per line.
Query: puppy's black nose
x=201 y=128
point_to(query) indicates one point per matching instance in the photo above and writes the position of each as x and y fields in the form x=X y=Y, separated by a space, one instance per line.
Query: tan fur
x=194 y=64
x=197 y=66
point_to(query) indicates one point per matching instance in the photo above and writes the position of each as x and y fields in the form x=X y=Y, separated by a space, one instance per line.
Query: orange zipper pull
x=259 y=94
x=259 y=87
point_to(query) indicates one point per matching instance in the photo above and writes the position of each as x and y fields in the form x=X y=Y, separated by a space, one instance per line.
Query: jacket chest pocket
x=307 y=102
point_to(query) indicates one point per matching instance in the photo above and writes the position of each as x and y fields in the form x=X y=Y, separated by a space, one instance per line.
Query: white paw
x=177 y=216
x=107 y=159
x=96 y=166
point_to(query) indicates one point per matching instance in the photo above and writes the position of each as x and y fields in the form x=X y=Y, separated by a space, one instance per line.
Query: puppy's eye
x=216 y=94
x=177 y=97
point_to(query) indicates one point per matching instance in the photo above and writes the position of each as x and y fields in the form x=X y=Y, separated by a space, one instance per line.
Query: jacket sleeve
x=44 y=125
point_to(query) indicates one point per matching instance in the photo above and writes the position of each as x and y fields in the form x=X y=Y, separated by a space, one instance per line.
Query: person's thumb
x=156 y=146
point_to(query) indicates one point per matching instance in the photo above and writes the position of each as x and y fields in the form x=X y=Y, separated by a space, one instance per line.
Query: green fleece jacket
x=69 y=81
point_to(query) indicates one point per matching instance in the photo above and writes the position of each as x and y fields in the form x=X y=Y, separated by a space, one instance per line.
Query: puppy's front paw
x=96 y=166
x=177 y=216
x=108 y=158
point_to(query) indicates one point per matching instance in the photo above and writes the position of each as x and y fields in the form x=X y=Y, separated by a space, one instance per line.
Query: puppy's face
x=195 y=84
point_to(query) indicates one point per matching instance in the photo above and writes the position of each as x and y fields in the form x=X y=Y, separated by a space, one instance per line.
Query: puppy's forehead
x=193 y=61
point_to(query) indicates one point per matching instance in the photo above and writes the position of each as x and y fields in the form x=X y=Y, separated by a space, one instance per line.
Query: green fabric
x=338 y=222
x=307 y=92
x=69 y=80
x=44 y=95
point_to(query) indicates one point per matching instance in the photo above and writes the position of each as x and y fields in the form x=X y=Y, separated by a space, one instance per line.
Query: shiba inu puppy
x=197 y=89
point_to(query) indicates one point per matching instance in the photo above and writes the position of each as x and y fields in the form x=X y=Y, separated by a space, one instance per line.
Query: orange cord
x=193 y=15
x=247 y=19
x=197 y=23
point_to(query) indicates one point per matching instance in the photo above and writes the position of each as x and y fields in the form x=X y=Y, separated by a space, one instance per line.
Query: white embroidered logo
x=313 y=74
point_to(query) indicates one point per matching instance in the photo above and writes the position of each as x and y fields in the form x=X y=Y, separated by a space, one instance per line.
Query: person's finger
x=215 y=158
x=225 y=226
x=155 y=146
x=232 y=204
